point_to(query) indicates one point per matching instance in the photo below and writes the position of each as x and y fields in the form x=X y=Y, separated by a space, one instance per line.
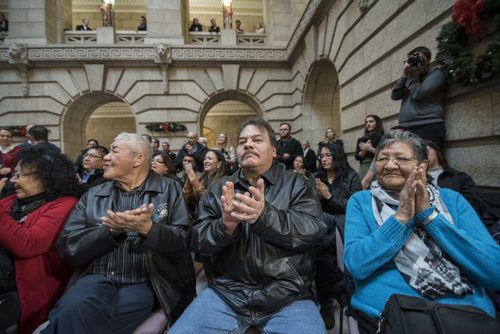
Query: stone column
x=278 y=21
x=164 y=22
x=38 y=22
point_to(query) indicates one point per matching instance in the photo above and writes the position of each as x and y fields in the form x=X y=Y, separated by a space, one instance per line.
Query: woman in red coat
x=30 y=221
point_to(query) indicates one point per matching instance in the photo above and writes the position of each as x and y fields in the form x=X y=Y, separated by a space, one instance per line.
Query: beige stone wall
x=106 y=129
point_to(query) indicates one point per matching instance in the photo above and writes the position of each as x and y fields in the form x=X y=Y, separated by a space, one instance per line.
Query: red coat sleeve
x=40 y=230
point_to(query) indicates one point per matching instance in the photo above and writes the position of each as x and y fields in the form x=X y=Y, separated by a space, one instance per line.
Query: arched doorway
x=321 y=103
x=225 y=117
x=224 y=112
x=79 y=123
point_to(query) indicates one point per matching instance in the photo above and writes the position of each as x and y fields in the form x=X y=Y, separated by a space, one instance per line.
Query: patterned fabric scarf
x=421 y=262
x=23 y=207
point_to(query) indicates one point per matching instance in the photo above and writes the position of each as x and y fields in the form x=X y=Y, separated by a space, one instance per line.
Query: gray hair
x=137 y=144
x=414 y=141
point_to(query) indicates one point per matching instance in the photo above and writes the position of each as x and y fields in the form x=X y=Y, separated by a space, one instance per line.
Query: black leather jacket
x=269 y=264
x=170 y=267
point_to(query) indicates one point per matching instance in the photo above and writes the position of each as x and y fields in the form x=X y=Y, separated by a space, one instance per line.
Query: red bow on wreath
x=465 y=14
x=166 y=127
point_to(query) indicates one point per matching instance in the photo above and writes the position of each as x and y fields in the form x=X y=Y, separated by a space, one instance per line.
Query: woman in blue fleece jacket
x=406 y=236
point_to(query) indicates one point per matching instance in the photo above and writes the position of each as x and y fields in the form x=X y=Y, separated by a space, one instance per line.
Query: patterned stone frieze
x=147 y=53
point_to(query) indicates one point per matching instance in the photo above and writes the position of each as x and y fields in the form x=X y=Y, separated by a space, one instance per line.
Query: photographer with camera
x=421 y=89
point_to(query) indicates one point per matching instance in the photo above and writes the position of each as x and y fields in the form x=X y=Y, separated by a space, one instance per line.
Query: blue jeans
x=208 y=314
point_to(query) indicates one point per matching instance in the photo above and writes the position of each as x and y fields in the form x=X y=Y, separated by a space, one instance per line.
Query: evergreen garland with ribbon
x=165 y=127
x=458 y=62
x=17 y=131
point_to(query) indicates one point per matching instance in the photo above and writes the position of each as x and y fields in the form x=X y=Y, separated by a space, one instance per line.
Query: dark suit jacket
x=310 y=160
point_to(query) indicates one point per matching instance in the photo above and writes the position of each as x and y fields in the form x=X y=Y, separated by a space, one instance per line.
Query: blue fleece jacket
x=369 y=251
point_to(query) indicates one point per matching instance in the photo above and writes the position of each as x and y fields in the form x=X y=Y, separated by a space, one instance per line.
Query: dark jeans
x=329 y=278
x=96 y=304
x=434 y=132
x=10 y=310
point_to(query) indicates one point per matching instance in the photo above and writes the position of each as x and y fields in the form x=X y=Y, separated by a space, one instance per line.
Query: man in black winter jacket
x=127 y=237
x=257 y=231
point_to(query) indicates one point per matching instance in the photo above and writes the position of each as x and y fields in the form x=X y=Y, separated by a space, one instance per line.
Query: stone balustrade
x=92 y=37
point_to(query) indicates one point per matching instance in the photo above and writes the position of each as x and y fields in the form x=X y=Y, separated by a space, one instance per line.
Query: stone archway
x=321 y=101
x=76 y=116
x=224 y=112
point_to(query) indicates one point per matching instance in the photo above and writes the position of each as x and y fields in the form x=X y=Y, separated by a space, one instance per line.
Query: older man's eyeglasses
x=400 y=161
x=17 y=174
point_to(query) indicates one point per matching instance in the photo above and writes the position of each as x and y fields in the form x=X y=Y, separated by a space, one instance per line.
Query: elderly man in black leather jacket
x=128 y=238
x=257 y=230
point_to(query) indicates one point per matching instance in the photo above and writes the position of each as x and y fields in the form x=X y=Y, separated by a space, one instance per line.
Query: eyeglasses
x=91 y=156
x=400 y=161
x=17 y=174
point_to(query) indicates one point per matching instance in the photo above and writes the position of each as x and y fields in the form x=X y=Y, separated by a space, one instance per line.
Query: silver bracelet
x=430 y=218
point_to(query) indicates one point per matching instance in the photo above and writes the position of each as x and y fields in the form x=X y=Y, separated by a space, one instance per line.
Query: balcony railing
x=204 y=38
x=251 y=39
x=91 y=37
x=130 y=37
x=80 y=37
x=207 y=38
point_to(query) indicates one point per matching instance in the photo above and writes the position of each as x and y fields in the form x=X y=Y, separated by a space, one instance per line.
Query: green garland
x=459 y=64
x=17 y=131
x=165 y=127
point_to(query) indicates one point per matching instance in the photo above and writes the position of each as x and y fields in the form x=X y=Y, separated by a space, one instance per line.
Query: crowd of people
x=196 y=26
x=100 y=244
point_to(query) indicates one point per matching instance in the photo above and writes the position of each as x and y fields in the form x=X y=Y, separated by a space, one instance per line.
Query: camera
x=414 y=60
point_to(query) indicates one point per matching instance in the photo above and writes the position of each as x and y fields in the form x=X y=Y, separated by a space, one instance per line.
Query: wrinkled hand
x=421 y=195
x=322 y=189
x=413 y=198
x=137 y=220
x=3 y=181
x=249 y=206
x=5 y=171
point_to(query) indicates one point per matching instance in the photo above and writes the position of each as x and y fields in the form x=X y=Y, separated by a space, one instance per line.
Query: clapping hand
x=322 y=189
x=137 y=220
x=413 y=198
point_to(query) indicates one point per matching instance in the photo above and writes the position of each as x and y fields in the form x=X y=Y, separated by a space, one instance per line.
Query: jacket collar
x=153 y=183
x=270 y=176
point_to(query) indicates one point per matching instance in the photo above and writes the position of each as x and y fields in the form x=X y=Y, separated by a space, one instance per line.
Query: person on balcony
x=196 y=26
x=4 y=23
x=143 y=24
x=84 y=26
x=238 y=27
x=213 y=27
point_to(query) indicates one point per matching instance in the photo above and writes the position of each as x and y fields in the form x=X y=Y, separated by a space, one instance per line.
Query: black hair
x=423 y=50
x=101 y=149
x=261 y=124
x=39 y=133
x=379 y=128
x=167 y=161
x=94 y=140
x=208 y=180
x=54 y=170
x=443 y=162
x=287 y=124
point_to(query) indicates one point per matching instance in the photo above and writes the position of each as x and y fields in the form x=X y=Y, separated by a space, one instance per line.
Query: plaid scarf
x=421 y=262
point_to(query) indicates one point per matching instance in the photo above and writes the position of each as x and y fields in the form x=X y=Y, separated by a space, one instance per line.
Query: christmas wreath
x=165 y=127
x=469 y=22
x=17 y=131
